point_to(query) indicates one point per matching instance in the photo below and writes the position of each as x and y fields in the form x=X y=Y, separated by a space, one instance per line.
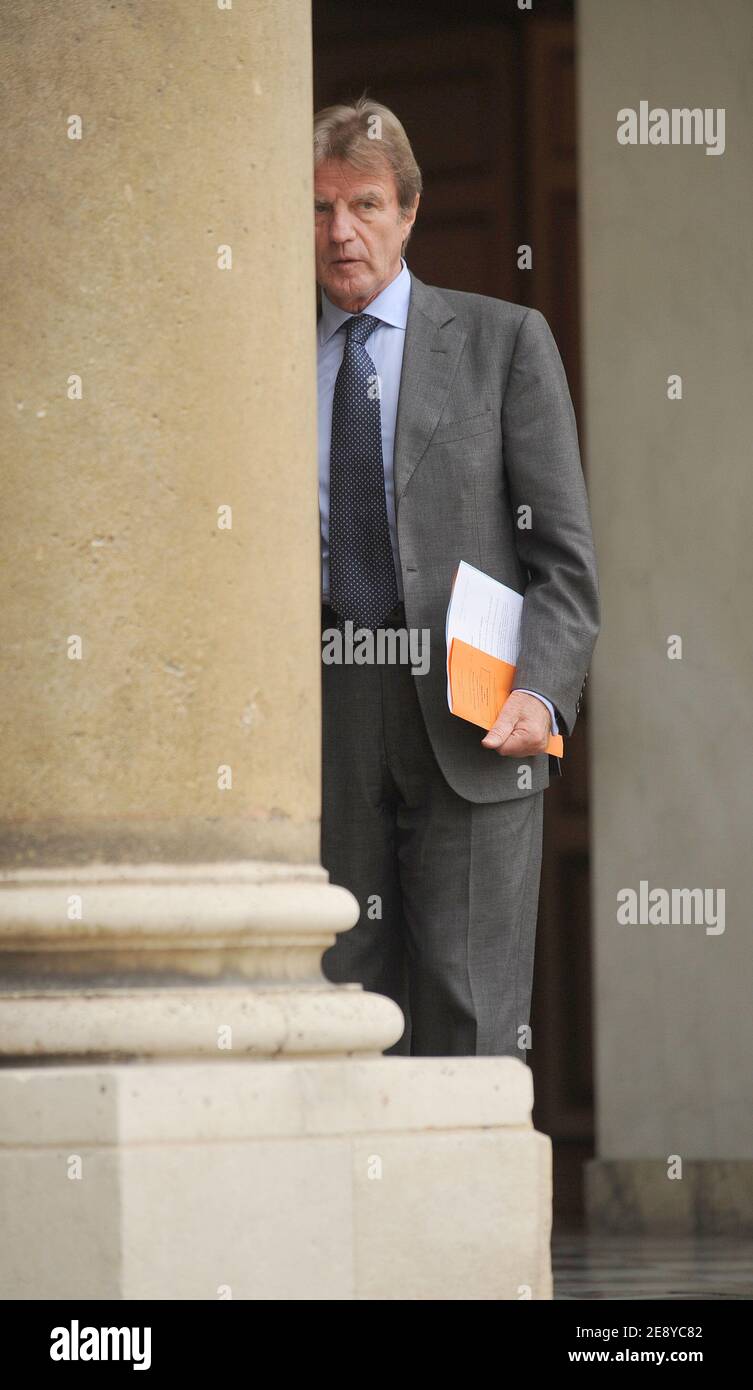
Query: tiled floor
x=660 y=1267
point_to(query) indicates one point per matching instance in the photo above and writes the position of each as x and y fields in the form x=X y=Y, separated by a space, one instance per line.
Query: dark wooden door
x=488 y=102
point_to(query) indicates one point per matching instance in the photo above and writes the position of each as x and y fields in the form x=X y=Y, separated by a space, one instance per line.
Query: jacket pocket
x=449 y=430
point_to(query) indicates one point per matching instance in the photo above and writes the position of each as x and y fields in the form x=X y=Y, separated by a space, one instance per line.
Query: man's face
x=359 y=232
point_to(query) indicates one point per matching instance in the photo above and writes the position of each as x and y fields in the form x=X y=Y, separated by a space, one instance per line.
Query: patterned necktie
x=362 y=583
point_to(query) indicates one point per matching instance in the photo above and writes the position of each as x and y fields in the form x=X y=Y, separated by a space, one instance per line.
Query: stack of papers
x=483 y=639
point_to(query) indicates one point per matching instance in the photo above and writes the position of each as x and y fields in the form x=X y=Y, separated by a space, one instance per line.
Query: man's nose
x=341 y=226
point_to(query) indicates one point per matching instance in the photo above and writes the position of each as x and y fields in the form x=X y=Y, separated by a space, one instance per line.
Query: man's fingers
x=499 y=733
x=521 y=728
x=521 y=743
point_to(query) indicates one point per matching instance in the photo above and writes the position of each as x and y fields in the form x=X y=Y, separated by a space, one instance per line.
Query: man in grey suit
x=446 y=433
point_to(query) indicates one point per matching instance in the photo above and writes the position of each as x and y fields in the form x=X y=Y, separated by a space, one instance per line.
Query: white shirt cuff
x=544 y=701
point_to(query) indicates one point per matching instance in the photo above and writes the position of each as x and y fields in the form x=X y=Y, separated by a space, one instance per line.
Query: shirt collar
x=390 y=306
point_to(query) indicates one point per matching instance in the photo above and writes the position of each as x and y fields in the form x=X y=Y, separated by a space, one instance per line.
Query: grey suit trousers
x=448 y=888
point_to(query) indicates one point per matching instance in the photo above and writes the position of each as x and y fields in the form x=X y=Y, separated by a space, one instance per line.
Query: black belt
x=395 y=618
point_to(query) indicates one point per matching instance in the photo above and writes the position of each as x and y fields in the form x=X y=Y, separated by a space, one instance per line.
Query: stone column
x=162 y=720
x=162 y=907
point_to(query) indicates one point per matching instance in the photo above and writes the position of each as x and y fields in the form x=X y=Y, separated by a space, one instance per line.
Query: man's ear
x=412 y=215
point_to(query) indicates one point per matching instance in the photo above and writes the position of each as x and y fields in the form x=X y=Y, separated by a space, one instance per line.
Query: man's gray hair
x=367 y=134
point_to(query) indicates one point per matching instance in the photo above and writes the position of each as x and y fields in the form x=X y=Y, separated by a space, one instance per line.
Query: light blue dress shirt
x=385 y=348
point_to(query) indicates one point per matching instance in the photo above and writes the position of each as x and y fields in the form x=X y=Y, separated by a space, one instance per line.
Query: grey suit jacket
x=484 y=426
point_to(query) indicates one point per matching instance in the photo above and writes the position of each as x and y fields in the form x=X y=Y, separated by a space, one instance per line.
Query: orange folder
x=480 y=684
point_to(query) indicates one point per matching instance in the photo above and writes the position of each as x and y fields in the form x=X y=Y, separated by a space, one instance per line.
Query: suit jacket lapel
x=433 y=344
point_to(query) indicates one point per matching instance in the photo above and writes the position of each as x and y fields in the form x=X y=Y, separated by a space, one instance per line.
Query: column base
x=389 y=1178
x=179 y=960
x=224 y=1022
